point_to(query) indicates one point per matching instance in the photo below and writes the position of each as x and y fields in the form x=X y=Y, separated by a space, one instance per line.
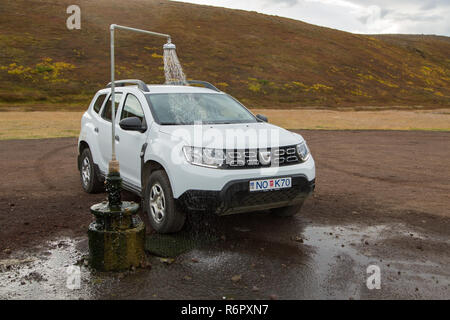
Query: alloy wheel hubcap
x=86 y=171
x=157 y=203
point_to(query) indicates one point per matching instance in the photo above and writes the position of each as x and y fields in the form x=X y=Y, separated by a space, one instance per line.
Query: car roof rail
x=121 y=83
x=204 y=83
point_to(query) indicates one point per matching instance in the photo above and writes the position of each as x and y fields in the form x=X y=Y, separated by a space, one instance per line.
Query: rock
x=236 y=278
x=35 y=276
x=167 y=260
x=298 y=239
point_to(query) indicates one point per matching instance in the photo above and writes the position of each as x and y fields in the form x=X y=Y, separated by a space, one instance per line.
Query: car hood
x=232 y=136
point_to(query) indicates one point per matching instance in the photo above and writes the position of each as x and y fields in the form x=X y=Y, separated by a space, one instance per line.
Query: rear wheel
x=160 y=205
x=89 y=179
x=287 y=211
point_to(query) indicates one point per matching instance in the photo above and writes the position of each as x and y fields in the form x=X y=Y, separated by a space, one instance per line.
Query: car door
x=129 y=144
x=104 y=131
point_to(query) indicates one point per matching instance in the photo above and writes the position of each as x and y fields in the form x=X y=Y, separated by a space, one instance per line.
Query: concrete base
x=116 y=250
x=119 y=248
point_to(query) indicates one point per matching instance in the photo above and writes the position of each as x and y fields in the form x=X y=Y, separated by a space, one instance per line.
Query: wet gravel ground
x=382 y=199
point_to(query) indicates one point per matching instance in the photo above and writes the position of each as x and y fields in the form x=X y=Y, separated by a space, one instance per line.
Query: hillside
x=265 y=61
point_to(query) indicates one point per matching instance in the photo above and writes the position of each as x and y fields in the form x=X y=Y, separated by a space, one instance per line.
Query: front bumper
x=184 y=176
x=235 y=197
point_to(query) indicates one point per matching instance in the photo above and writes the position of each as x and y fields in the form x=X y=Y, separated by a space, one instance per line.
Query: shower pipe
x=113 y=102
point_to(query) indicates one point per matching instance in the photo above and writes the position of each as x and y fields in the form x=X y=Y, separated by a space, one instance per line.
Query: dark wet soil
x=382 y=199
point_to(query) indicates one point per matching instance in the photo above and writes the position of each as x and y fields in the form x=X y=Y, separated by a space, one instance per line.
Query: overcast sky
x=358 y=16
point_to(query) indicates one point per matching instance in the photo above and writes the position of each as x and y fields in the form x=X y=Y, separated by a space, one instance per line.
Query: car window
x=107 y=109
x=99 y=102
x=132 y=108
x=188 y=108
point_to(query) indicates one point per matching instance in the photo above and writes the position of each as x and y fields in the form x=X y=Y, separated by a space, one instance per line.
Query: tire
x=90 y=181
x=287 y=211
x=160 y=205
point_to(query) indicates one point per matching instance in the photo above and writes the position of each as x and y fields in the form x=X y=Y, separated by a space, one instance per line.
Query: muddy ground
x=382 y=198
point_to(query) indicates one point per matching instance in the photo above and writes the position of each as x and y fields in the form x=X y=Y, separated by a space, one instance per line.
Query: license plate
x=270 y=184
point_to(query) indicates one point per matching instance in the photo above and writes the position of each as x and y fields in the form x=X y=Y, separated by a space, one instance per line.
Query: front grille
x=257 y=158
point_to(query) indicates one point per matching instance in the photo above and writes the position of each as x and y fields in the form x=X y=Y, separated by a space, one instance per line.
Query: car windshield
x=188 y=108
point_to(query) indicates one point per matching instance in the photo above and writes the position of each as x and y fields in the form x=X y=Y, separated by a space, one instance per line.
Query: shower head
x=169 y=46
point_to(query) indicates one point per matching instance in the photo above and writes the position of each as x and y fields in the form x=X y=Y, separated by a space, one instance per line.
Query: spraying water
x=172 y=67
x=184 y=108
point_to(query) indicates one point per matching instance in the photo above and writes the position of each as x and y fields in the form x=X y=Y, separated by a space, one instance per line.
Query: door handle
x=96 y=130
x=117 y=138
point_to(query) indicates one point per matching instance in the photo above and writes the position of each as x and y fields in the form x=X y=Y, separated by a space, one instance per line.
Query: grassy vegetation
x=265 y=61
x=39 y=125
x=424 y=120
x=54 y=124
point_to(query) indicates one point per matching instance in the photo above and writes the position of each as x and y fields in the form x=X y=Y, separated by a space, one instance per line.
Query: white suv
x=189 y=148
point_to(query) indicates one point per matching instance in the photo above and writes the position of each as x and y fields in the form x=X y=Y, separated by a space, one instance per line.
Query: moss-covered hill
x=265 y=61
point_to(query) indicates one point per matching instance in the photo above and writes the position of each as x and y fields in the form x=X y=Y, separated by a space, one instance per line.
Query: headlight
x=206 y=157
x=303 y=151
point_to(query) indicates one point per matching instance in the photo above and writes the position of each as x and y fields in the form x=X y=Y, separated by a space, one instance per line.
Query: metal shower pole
x=113 y=102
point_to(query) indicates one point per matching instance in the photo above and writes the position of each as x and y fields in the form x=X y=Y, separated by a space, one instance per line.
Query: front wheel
x=160 y=205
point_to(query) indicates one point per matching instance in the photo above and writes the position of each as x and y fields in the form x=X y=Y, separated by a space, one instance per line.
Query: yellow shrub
x=254 y=86
x=319 y=86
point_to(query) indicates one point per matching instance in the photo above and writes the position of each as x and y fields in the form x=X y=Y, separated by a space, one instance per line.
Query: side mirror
x=261 y=118
x=132 y=124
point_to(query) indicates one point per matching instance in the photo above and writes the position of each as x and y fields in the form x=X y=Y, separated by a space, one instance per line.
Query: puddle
x=45 y=275
x=343 y=253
